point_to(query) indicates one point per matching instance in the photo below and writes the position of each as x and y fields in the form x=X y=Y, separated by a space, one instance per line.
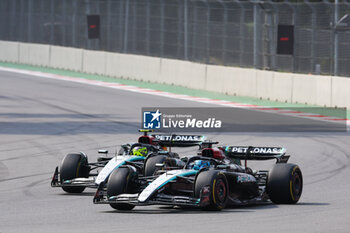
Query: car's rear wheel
x=285 y=183
x=150 y=164
x=74 y=166
x=118 y=183
x=216 y=183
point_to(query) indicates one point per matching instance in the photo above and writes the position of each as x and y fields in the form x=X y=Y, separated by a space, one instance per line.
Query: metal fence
x=223 y=32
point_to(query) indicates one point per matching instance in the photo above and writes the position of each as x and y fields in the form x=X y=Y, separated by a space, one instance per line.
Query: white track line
x=177 y=96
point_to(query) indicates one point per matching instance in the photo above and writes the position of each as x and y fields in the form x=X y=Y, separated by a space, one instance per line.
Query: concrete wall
x=9 y=51
x=282 y=87
x=340 y=92
x=311 y=89
x=182 y=73
x=94 y=62
x=285 y=87
x=73 y=58
x=231 y=80
x=34 y=54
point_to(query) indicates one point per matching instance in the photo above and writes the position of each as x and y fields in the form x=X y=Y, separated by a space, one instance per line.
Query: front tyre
x=74 y=166
x=285 y=183
x=217 y=184
x=118 y=183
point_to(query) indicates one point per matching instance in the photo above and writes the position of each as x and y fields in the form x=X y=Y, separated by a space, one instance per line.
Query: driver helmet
x=199 y=164
x=139 y=151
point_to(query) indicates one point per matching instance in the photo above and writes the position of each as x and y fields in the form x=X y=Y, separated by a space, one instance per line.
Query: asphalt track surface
x=41 y=120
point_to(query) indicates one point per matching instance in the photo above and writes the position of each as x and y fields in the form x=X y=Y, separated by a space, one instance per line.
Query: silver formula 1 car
x=75 y=172
x=210 y=181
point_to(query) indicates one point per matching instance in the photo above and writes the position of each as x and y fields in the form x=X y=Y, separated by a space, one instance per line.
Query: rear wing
x=179 y=140
x=256 y=153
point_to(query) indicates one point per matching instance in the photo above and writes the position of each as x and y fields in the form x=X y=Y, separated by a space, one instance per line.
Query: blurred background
x=229 y=32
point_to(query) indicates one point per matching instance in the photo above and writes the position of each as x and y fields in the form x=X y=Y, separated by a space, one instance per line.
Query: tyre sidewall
x=150 y=164
x=118 y=183
x=212 y=178
x=74 y=166
x=282 y=184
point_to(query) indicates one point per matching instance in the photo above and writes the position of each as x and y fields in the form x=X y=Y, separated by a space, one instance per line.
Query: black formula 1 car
x=76 y=173
x=212 y=181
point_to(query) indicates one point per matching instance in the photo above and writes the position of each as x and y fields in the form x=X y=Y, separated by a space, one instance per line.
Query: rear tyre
x=74 y=166
x=103 y=159
x=217 y=183
x=118 y=183
x=150 y=164
x=285 y=183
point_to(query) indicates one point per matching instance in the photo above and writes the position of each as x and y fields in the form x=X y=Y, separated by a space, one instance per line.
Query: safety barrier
x=285 y=87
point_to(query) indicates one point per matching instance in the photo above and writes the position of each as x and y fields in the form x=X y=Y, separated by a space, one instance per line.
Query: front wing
x=77 y=182
x=158 y=199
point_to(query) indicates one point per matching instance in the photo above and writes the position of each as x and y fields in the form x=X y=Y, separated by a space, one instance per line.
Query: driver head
x=139 y=151
x=199 y=164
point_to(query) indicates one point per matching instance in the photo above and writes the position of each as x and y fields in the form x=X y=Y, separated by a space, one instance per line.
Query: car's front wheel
x=74 y=166
x=216 y=184
x=118 y=183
